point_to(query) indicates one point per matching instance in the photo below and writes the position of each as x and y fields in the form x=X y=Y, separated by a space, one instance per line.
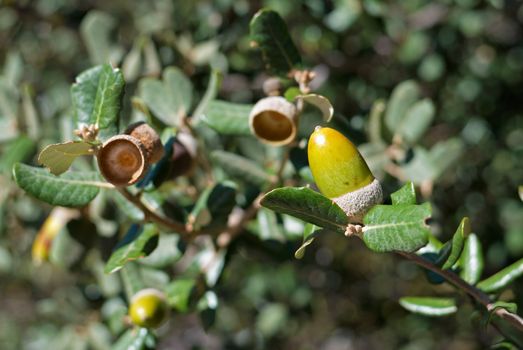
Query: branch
x=476 y=294
x=151 y=215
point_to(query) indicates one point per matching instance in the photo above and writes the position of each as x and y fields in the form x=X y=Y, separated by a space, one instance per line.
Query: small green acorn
x=149 y=308
x=342 y=174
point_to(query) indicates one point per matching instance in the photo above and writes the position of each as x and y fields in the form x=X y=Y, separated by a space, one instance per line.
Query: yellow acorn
x=342 y=174
x=149 y=308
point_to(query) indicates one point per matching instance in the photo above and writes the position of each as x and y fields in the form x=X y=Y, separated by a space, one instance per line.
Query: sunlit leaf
x=429 y=306
x=405 y=195
x=307 y=205
x=73 y=189
x=269 y=33
x=399 y=227
x=136 y=244
x=471 y=261
x=228 y=118
x=502 y=278
x=59 y=157
x=179 y=293
x=320 y=102
x=241 y=168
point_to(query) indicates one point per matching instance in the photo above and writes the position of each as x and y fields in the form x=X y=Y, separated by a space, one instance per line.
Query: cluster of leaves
x=121 y=254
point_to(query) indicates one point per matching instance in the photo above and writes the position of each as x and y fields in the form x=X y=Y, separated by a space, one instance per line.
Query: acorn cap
x=341 y=173
x=273 y=120
x=149 y=139
x=357 y=203
x=148 y=308
x=122 y=160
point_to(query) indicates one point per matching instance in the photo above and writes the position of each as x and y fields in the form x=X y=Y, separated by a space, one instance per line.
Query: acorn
x=124 y=159
x=149 y=308
x=342 y=174
x=180 y=160
x=149 y=138
x=273 y=120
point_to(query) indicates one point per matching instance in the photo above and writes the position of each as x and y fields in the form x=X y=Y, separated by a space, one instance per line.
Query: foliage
x=428 y=91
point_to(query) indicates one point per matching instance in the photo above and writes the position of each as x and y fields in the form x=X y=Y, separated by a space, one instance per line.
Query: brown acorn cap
x=122 y=160
x=273 y=121
x=149 y=139
x=357 y=203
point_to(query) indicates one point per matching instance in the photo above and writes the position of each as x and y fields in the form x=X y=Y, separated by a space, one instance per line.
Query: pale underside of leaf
x=59 y=157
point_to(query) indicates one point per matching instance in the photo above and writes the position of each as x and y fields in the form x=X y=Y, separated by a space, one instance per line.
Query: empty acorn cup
x=273 y=121
x=122 y=160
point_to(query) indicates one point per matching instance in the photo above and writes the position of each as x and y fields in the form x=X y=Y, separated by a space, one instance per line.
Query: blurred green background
x=467 y=56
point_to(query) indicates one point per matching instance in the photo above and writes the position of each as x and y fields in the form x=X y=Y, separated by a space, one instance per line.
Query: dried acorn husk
x=181 y=160
x=273 y=121
x=122 y=160
x=341 y=173
x=149 y=139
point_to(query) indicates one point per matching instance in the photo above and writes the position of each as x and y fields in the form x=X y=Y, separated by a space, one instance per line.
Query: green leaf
x=416 y=121
x=309 y=234
x=136 y=244
x=430 y=165
x=207 y=306
x=399 y=227
x=268 y=227
x=429 y=306
x=228 y=118
x=166 y=254
x=510 y=307
x=209 y=96
x=374 y=130
x=73 y=189
x=269 y=33
x=170 y=99
x=503 y=278
x=95 y=30
x=403 y=97
x=13 y=68
x=129 y=209
x=444 y=154
x=291 y=93
x=108 y=100
x=136 y=339
x=320 y=102
x=16 y=151
x=210 y=263
x=241 y=167
x=457 y=243
x=83 y=95
x=213 y=206
x=132 y=279
x=59 y=157
x=307 y=205
x=343 y=16
x=405 y=195
x=471 y=260
x=179 y=293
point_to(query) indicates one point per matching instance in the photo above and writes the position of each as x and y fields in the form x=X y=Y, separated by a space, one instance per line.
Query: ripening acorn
x=341 y=173
x=273 y=121
x=149 y=308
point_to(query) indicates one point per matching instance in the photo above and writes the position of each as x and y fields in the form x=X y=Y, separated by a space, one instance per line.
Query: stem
x=151 y=215
x=231 y=232
x=476 y=294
